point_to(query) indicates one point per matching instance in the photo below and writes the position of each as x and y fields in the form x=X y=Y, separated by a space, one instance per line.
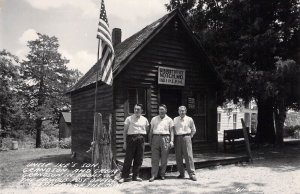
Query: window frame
x=234 y=120
x=145 y=106
x=219 y=121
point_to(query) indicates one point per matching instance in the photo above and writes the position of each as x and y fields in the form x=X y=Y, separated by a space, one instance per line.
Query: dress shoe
x=193 y=178
x=137 y=179
x=181 y=176
x=122 y=180
x=151 y=179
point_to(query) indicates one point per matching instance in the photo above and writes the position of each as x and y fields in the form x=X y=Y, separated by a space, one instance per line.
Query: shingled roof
x=123 y=51
x=129 y=47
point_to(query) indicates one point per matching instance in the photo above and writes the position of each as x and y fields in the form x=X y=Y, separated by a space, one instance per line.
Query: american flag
x=107 y=54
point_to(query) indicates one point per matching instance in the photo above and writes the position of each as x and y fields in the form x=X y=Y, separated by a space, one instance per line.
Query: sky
x=73 y=22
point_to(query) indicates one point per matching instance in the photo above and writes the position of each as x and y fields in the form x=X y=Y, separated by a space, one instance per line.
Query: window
x=137 y=96
x=234 y=120
x=219 y=122
x=247 y=105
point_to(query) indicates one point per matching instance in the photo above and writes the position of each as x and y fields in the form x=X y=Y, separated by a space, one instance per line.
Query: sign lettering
x=171 y=76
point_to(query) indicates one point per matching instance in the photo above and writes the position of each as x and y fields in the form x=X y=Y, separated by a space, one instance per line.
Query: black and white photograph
x=149 y=96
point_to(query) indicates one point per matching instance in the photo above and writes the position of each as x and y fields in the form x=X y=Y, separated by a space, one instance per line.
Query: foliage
x=10 y=109
x=292 y=119
x=253 y=45
x=292 y=131
x=32 y=92
x=65 y=143
x=48 y=141
x=46 y=79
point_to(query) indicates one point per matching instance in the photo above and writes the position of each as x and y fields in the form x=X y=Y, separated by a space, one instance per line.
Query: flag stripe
x=104 y=62
x=104 y=50
x=105 y=41
x=108 y=75
x=106 y=69
x=104 y=25
x=102 y=28
x=102 y=32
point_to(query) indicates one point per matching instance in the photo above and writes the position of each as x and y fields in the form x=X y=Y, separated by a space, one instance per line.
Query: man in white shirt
x=161 y=138
x=184 y=130
x=135 y=129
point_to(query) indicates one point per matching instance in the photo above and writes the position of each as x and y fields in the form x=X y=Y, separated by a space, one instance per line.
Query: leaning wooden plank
x=247 y=142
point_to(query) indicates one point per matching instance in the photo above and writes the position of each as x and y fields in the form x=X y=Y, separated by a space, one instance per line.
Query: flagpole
x=98 y=64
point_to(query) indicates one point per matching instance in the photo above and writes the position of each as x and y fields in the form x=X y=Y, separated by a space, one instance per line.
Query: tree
x=46 y=80
x=252 y=44
x=9 y=79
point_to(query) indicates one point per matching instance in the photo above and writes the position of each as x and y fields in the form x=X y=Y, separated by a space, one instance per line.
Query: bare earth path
x=275 y=170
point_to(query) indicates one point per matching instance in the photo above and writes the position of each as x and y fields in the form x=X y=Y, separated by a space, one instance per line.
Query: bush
x=297 y=134
x=292 y=131
x=65 y=143
x=6 y=142
x=49 y=141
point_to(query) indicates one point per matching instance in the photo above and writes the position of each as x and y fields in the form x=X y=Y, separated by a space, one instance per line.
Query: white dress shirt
x=184 y=125
x=136 y=125
x=161 y=126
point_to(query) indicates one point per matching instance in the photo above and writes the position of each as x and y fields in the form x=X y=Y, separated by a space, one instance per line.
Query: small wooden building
x=64 y=125
x=162 y=63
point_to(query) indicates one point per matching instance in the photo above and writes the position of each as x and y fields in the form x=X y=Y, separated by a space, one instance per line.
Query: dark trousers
x=134 y=151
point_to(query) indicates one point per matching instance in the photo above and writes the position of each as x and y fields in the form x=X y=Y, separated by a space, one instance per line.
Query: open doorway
x=172 y=98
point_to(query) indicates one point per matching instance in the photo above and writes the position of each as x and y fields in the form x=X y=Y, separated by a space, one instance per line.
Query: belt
x=133 y=135
x=162 y=134
x=187 y=134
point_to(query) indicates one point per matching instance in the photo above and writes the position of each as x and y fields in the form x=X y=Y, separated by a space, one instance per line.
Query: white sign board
x=171 y=76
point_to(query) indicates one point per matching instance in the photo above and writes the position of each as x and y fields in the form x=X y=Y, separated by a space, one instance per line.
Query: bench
x=235 y=139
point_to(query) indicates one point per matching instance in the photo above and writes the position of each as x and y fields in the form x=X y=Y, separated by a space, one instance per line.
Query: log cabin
x=163 y=63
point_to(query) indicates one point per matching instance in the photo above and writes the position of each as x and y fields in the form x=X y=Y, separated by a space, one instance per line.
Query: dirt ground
x=274 y=170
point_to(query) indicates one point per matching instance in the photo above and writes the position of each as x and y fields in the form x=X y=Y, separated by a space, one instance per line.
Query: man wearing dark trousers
x=184 y=130
x=161 y=138
x=135 y=130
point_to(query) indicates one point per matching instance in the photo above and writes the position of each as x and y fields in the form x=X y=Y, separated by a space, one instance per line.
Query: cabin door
x=197 y=109
x=172 y=99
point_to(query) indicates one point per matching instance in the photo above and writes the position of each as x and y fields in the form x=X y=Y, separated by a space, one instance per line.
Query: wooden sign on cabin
x=171 y=76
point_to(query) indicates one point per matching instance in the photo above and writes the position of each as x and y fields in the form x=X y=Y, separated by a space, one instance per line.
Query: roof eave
x=141 y=46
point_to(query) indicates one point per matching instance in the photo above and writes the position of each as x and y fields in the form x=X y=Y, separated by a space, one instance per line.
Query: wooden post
x=95 y=143
x=105 y=146
x=101 y=145
x=247 y=142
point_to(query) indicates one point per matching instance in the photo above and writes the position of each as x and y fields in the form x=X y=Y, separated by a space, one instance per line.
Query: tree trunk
x=38 y=126
x=3 y=114
x=265 y=123
x=279 y=116
x=39 y=121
